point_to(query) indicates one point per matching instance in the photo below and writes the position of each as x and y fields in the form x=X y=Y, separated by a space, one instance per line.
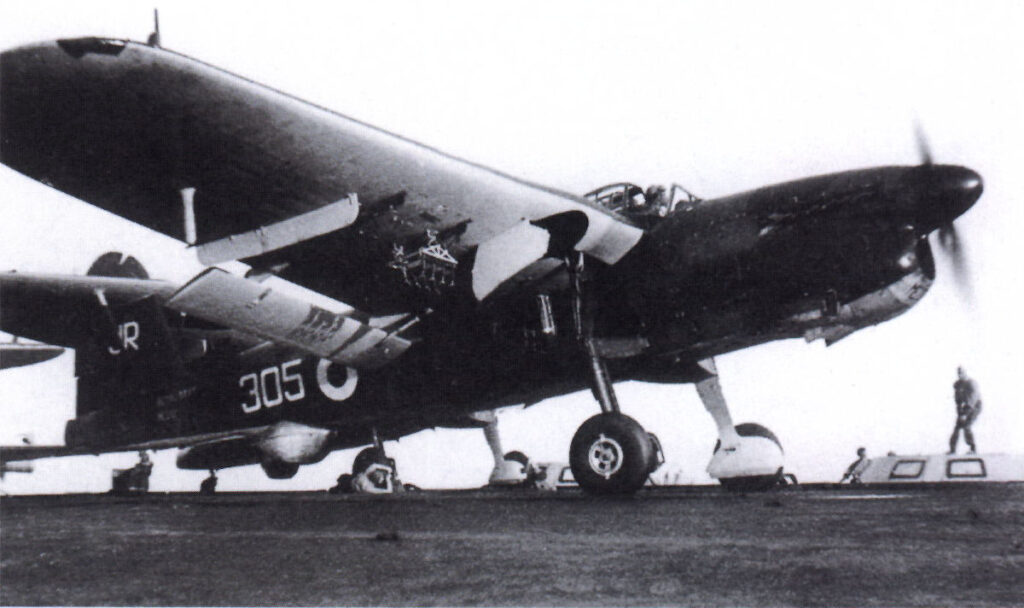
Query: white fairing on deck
x=754 y=456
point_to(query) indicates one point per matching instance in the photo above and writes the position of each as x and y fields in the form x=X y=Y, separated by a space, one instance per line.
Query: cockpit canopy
x=646 y=207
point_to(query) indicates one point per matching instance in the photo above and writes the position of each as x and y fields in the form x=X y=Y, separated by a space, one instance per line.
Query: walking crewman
x=968 y=406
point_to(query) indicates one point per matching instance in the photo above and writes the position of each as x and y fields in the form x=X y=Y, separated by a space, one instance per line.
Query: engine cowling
x=876 y=307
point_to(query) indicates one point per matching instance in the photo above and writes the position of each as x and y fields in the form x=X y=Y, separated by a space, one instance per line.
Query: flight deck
x=811 y=545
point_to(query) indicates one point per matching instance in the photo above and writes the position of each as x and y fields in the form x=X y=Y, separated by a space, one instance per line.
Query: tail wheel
x=611 y=454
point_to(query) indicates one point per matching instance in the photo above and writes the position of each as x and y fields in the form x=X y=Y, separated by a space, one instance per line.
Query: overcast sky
x=720 y=97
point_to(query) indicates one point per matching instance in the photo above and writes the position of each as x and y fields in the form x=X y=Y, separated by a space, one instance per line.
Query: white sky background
x=720 y=97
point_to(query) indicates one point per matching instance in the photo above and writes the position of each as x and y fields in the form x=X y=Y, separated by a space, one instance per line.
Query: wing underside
x=132 y=128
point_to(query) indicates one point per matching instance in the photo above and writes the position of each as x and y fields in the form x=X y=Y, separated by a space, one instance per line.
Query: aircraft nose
x=972 y=184
x=965 y=185
x=950 y=192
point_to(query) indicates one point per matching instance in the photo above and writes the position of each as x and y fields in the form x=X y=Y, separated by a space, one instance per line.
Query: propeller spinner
x=951 y=190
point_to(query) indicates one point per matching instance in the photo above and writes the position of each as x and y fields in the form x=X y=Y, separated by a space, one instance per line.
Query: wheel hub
x=605 y=456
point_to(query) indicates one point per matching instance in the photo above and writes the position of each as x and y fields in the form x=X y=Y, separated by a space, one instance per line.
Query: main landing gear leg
x=610 y=452
x=710 y=393
x=747 y=456
x=509 y=469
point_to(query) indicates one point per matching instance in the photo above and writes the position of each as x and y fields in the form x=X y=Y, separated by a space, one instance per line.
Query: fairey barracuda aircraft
x=394 y=288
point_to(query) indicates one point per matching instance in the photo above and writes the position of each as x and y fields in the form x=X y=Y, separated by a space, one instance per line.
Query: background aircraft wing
x=18 y=354
x=12 y=453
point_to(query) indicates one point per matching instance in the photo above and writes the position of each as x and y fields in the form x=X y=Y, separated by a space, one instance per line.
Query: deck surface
x=803 y=546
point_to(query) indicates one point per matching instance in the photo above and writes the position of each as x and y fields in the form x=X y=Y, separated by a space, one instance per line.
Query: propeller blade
x=948 y=238
x=924 y=151
x=951 y=245
x=923 y=250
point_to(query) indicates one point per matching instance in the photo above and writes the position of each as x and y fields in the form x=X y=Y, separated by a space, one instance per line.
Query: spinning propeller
x=948 y=239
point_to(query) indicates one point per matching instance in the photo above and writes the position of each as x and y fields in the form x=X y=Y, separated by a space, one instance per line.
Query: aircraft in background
x=393 y=288
x=19 y=354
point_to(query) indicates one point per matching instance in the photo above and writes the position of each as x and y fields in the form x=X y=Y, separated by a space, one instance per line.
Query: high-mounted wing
x=155 y=136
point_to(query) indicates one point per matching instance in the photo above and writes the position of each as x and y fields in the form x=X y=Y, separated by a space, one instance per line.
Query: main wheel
x=611 y=454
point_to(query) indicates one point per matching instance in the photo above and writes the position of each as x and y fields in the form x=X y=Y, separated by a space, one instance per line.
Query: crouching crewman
x=378 y=478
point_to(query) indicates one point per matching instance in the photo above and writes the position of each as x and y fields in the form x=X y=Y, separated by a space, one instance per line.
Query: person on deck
x=376 y=479
x=968 y=405
x=857 y=467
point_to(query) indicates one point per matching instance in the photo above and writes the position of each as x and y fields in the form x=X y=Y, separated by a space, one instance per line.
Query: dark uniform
x=857 y=467
x=968 y=406
x=209 y=485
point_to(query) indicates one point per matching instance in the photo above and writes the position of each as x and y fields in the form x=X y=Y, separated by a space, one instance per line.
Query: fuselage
x=803 y=259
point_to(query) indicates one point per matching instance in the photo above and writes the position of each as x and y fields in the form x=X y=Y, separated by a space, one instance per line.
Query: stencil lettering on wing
x=318 y=326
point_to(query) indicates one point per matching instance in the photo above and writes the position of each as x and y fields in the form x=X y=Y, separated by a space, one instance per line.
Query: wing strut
x=188 y=203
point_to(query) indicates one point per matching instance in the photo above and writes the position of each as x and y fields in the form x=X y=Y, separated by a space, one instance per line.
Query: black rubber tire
x=752 y=483
x=625 y=441
x=751 y=429
x=517 y=456
x=279 y=470
x=657 y=456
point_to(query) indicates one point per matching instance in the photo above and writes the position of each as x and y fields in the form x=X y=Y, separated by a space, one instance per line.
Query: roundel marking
x=332 y=391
